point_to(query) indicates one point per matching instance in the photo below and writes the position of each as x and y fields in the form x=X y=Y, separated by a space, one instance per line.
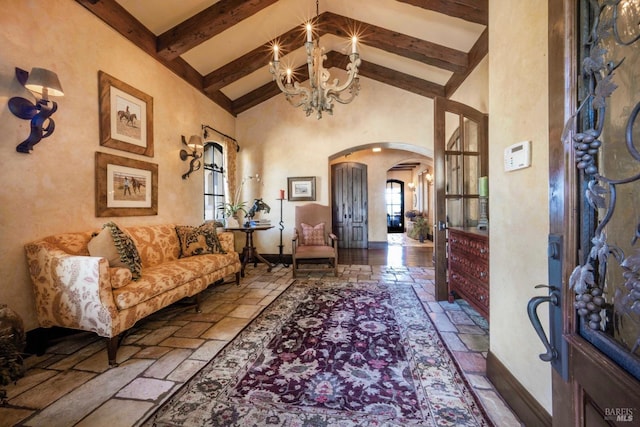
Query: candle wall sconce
x=42 y=83
x=196 y=147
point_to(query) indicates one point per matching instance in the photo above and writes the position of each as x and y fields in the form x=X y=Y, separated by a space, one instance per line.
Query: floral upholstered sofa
x=106 y=281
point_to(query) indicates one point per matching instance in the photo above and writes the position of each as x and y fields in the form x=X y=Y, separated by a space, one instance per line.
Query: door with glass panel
x=394 y=199
x=595 y=212
x=460 y=160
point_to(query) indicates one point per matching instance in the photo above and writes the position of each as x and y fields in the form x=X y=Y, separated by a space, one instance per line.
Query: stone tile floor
x=72 y=385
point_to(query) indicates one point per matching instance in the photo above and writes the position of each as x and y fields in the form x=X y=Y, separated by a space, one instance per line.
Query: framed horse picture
x=126 y=116
x=125 y=187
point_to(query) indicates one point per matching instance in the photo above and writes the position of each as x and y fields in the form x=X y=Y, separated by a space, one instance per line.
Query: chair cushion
x=198 y=240
x=311 y=252
x=313 y=235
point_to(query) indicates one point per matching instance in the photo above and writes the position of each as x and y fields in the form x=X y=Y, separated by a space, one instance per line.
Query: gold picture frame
x=126 y=116
x=302 y=188
x=125 y=187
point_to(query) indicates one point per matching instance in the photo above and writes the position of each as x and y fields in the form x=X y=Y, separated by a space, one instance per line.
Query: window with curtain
x=214 y=188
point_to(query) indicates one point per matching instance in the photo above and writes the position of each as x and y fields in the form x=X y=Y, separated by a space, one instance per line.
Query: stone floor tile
x=12 y=416
x=186 y=370
x=192 y=329
x=453 y=342
x=225 y=308
x=245 y=311
x=73 y=343
x=182 y=342
x=158 y=335
x=153 y=352
x=117 y=412
x=499 y=412
x=479 y=382
x=145 y=389
x=471 y=362
x=77 y=404
x=459 y=317
x=52 y=389
x=31 y=378
x=435 y=307
x=226 y=329
x=208 y=350
x=475 y=342
x=79 y=356
x=167 y=363
x=99 y=362
x=442 y=322
x=471 y=329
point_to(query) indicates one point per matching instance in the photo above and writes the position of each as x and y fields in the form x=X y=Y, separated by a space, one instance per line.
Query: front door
x=595 y=208
x=394 y=200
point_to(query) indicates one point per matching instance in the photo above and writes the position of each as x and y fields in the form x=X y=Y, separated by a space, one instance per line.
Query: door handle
x=532 y=307
x=442 y=225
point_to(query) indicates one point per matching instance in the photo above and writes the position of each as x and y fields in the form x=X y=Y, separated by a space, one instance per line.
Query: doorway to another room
x=394 y=200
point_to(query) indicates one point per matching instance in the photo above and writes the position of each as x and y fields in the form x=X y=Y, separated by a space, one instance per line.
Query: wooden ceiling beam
x=331 y=23
x=470 y=10
x=206 y=24
x=476 y=54
x=396 y=43
x=129 y=27
x=338 y=60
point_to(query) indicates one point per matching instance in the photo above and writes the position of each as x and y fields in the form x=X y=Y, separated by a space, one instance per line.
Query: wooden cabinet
x=469 y=267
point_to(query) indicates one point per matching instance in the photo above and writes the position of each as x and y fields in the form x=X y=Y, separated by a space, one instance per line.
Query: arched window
x=214 y=169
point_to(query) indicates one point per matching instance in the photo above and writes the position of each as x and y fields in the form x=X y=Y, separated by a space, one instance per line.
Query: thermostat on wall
x=517 y=156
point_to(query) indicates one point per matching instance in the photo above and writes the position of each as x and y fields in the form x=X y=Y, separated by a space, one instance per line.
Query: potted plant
x=421 y=229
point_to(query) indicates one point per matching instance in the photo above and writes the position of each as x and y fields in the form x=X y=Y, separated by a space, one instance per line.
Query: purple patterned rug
x=350 y=354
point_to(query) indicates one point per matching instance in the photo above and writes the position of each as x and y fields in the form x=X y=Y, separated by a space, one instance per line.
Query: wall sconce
x=195 y=144
x=411 y=186
x=429 y=178
x=45 y=83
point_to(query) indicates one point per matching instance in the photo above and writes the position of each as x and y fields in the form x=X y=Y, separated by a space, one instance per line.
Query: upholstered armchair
x=314 y=245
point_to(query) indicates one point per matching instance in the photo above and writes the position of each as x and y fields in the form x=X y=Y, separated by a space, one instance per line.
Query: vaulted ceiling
x=223 y=47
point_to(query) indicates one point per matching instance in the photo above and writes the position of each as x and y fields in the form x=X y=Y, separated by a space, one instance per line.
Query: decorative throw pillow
x=102 y=245
x=127 y=250
x=198 y=240
x=313 y=235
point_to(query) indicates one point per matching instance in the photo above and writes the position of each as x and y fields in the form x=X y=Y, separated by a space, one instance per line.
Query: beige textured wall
x=518 y=85
x=52 y=190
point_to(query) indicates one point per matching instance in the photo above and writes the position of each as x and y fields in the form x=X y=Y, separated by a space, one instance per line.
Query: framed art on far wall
x=125 y=187
x=126 y=116
x=302 y=188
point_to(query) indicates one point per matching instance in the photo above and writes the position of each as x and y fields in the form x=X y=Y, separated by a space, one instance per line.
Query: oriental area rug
x=334 y=354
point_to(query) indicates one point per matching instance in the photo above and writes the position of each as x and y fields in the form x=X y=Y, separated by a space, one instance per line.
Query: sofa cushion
x=313 y=235
x=198 y=240
x=156 y=243
x=155 y=281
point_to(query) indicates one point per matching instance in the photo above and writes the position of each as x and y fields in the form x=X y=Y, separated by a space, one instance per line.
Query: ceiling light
x=324 y=90
x=377 y=149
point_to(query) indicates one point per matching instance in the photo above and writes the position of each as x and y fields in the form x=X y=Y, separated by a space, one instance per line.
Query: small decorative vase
x=231 y=222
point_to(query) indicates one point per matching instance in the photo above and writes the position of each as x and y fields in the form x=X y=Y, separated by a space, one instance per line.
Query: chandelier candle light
x=322 y=93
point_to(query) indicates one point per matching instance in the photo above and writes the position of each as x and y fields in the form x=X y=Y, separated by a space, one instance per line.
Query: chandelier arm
x=352 y=74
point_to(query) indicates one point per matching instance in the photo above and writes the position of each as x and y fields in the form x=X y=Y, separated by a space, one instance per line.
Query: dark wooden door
x=460 y=159
x=349 y=201
x=594 y=168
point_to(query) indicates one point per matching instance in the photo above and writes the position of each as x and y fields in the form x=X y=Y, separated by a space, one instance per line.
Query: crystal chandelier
x=322 y=93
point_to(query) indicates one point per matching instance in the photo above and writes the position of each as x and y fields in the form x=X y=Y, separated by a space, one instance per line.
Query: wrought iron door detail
x=597 y=125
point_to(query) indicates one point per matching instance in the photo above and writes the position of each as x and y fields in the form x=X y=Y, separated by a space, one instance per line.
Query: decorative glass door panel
x=606 y=138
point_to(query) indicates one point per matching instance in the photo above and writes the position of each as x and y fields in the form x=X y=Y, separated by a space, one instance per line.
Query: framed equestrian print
x=126 y=116
x=125 y=187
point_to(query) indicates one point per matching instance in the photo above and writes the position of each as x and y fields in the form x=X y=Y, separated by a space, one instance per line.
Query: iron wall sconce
x=195 y=145
x=44 y=83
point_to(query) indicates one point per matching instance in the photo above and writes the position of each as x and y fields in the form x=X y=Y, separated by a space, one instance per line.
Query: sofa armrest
x=72 y=291
x=227 y=241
